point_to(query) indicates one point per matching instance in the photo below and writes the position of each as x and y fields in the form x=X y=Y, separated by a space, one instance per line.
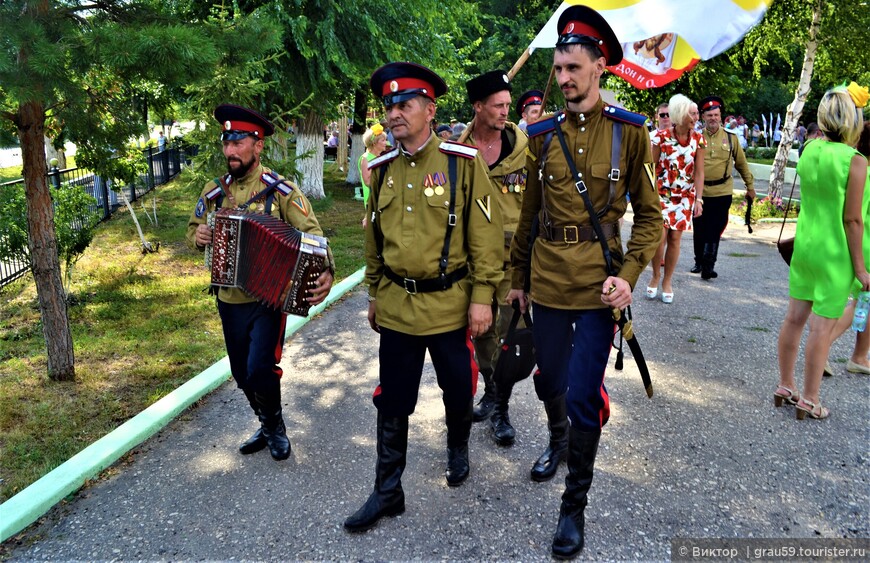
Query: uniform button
x=579 y=174
x=580 y=151
x=413 y=164
x=409 y=208
x=551 y=176
x=582 y=117
x=582 y=129
x=410 y=186
x=446 y=204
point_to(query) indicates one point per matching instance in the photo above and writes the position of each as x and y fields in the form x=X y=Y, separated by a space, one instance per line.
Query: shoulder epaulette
x=282 y=185
x=621 y=114
x=384 y=158
x=459 y=149
x=545 y=125
x=219 y=184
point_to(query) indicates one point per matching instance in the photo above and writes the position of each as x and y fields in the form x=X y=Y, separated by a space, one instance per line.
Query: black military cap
x=397 y=82
x=711 y=102
x=238 y=122
x=530 y=98
x=581 y=25
x=481 y=87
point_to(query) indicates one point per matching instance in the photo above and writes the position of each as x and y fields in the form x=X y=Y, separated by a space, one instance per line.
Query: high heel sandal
x=667 y=297
x=804 y=408
x=651 y=292
x=783 y=393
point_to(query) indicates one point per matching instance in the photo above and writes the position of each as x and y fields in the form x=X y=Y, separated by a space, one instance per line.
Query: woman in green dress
x=375 y=141
x=831 y=246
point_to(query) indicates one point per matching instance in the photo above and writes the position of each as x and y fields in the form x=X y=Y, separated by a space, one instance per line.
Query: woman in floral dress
x=679 y=156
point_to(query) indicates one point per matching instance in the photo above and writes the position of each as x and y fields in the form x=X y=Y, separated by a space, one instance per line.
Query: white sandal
x=651 y=292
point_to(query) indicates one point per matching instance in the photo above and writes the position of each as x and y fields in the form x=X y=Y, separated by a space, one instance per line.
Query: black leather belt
x=413 y=286
x=716 y=182
x=572 y=234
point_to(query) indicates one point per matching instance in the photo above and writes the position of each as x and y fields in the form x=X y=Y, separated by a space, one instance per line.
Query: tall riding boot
x=257 y=441
x=273 y=424
x=711 y=251
x=500 y=421
x=484 y=407
x=557 y=451
x=458 y=431
x=698 y=247
x=388 y=498
x=568 y=540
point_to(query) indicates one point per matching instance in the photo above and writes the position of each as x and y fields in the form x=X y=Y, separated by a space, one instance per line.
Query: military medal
x=439 y=179
x=389 y=181
x=439 y=190
x=429 y=192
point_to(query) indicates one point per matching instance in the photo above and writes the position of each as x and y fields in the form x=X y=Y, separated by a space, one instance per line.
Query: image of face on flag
x=662 y=39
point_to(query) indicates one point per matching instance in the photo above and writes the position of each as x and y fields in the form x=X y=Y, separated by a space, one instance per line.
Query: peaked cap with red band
x=581 y=25
x=238 y=122
x=530 y=98
x=397 y=82
x=711 y=102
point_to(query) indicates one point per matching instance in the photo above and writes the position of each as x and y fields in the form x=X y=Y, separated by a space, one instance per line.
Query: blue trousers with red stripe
x=254 y=335
x=401 y=368
x=572 y=349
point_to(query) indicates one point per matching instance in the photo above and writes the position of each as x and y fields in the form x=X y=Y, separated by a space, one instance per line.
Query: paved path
x=708 y=456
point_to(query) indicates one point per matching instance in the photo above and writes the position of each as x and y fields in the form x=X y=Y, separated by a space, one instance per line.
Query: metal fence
x=161 y=167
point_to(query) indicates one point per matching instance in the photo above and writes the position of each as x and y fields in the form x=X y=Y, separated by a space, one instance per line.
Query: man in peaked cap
x=253 y=332
x=724 y=154
x=573 y=287
x=503 y=147
x=433 y=261
x=529 y=108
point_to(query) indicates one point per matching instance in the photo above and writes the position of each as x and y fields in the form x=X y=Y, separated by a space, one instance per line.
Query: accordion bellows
x=265 y=257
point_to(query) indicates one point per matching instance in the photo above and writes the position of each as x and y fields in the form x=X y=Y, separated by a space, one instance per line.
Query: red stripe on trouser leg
x=474 y=369
x=377 y=391
x=279 y=346
x=604 y=414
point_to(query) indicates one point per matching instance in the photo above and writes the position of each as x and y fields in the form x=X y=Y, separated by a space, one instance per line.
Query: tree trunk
x=42 y=243
x=796 y=108
x=341 y=158
x=309 y=139
x=360 y=107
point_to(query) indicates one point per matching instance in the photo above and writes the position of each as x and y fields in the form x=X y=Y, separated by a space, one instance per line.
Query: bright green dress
x=365 y=189
x=821 y=267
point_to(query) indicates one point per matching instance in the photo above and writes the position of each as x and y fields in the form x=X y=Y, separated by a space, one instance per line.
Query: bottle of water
x=862 y=309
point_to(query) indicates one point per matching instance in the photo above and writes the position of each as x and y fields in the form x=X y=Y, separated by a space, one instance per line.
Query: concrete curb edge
x=34 y=501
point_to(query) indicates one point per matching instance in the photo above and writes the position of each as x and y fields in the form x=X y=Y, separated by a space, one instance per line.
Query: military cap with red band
x=581 y=25
x=397 y=82
x=711 y=102
x=238 y=122
x=530 y=98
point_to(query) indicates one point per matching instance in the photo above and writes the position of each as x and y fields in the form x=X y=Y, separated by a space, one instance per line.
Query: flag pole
x=511 y=73
x=547 y=89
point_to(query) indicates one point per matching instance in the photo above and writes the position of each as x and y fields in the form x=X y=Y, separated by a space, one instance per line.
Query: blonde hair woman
x=375 y=141
x=830 y=260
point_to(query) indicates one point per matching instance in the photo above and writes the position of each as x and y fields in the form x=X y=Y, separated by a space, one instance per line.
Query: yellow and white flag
x=662 y=39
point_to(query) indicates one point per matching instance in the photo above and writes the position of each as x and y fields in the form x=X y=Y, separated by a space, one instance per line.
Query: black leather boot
x=257 y=441
x=698 y=248
x=500 y=421
x=273 y=424
x=557 y=451
x=388 y=498
x=711 y=250
x=696 y=269
x=458 y=431
x=568 y=539
x=485 y=406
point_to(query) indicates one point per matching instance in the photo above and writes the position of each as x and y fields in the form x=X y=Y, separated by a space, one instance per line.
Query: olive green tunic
x=294 y=209
x=570 y=276
x=413 y=225
x=717 y=163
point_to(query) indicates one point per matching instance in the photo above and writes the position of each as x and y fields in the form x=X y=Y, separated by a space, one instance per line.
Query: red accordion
x=265 y=257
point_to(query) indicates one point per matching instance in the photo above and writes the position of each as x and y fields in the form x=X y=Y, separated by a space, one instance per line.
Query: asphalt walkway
x=707 y=457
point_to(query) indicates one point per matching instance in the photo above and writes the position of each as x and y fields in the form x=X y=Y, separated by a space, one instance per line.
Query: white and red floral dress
x=675 y=177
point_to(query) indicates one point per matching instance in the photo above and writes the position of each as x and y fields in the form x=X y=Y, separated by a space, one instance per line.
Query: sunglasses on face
x=663 y=115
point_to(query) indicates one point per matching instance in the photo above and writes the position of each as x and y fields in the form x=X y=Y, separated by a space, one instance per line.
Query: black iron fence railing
x=161 y=167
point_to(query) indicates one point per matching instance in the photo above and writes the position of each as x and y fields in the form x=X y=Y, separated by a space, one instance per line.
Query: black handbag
x=786 y=246
x=516 y=361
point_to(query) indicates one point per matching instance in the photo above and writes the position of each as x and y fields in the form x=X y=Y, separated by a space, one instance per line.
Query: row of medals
x=514 y=183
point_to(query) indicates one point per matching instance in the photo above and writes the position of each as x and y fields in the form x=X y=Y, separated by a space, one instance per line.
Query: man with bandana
x=434 y=257
x=254 y=332
x=573 y=288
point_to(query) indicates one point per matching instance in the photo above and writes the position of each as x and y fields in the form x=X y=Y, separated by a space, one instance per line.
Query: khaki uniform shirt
x=718 y=163
x=508 y=179
x=294 y=209
x=410 y=209
x=570 y=276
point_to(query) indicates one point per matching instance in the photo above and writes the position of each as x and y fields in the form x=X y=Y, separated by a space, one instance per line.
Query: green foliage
x=766 y=208
x=74 y=221
x=762 y=153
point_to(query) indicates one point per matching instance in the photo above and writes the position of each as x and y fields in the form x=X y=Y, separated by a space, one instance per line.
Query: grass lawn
x=142 y=325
